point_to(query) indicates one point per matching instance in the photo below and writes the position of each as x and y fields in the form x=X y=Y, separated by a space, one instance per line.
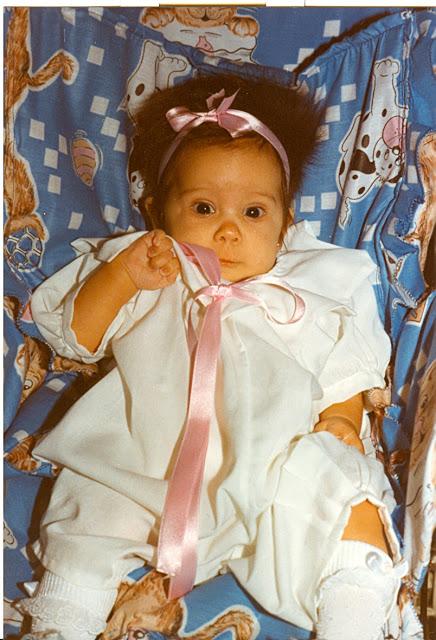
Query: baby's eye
x=203 y=208
x=254 y=212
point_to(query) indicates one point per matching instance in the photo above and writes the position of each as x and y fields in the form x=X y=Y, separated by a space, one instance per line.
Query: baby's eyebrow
x=268 y=196
x=194 y=190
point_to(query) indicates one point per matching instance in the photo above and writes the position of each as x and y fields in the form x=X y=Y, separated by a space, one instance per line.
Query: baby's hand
x=150 y=261
x=342 y=429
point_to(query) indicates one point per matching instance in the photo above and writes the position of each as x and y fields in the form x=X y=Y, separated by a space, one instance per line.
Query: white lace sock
x=357 y=592
x=78 y=613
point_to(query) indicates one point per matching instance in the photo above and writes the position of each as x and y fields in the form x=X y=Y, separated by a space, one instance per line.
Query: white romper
x=275 y=497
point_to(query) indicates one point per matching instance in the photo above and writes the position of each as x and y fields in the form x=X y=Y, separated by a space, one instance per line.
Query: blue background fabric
x=68 y=174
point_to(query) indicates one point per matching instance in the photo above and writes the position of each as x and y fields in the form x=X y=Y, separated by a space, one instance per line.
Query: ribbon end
x=176 y=589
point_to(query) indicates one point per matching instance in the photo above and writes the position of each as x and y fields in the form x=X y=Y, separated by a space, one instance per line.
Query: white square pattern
x=95 y=55
x=303 y=53
x=62 y=144
x=314 y=69
x=96 y=12
x=328 y=200
x=51 y=158
x=348 y=92
x=120 y=143
x=413 y=138
x=307 y=204
x=333 y=113
x=110 y=127
x=54 y=184
x=120 y=29
x=37 y=129
x=323 y=132
x=412 y=176
x=75 y=220
x=289 y=67
x=332 y=28
x=110 y=214
x=69 y=15
x=55 y=384
x=99 y=105
x=320 y=93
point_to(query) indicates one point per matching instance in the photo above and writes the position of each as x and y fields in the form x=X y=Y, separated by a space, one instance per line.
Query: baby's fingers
x=159 y=242
x=161 y=259
x=170 y=270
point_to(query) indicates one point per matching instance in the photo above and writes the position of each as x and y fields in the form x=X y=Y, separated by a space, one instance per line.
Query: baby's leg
x=91 y=538
x=359 y=586
x=364 y=523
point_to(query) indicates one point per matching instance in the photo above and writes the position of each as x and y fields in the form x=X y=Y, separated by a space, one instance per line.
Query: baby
x=226 y=438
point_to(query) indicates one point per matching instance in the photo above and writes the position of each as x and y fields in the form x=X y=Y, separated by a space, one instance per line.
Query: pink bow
x=234 y=121
x=178 y=537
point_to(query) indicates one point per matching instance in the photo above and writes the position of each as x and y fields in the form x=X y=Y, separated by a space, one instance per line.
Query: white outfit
x=275 y=496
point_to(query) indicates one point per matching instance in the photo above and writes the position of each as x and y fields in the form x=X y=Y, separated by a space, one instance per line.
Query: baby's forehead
x=242 y=156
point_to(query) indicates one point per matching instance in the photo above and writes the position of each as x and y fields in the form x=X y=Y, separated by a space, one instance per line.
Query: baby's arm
x=148 y=263
x=344 y=420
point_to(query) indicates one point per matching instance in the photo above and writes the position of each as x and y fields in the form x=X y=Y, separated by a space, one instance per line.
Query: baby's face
x=229 y=199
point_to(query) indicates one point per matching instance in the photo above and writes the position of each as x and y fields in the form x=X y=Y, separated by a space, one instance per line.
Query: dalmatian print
x=373 y=149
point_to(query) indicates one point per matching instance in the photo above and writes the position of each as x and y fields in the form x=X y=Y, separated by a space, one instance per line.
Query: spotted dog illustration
x=19 y=186
x=373 y=149
x=155 y=70
x=217 y=31
x=143 y=606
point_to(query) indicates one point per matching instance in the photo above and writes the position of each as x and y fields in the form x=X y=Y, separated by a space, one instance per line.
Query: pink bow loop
x=234 y=121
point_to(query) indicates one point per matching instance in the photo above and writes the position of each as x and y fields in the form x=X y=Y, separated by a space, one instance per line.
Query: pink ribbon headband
x=234 y=121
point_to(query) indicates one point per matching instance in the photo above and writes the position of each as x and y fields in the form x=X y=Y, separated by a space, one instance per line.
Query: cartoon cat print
x=143 y=606
x=216 y=31
x=19 y=186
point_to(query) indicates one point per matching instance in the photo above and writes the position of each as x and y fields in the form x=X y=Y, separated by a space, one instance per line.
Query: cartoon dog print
x=373 y=149
x=156 y=70
x=216 y=31
x=143 y=606
x=19 y=185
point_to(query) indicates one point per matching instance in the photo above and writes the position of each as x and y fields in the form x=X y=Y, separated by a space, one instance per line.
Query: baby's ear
x=287 y=221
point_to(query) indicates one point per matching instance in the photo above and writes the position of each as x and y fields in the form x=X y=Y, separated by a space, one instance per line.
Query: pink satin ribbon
x=234 y=121
x=178 y=537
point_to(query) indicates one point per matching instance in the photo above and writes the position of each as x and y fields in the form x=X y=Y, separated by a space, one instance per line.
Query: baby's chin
x=235 y=272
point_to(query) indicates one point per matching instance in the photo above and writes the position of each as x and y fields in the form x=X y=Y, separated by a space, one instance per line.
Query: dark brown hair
x=291 y=116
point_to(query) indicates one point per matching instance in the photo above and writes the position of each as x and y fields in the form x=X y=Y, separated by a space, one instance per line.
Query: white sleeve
x=52 y=303
x=361 y=352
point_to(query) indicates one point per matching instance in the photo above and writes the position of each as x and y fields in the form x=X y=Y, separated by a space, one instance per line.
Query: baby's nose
x=228 y=232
